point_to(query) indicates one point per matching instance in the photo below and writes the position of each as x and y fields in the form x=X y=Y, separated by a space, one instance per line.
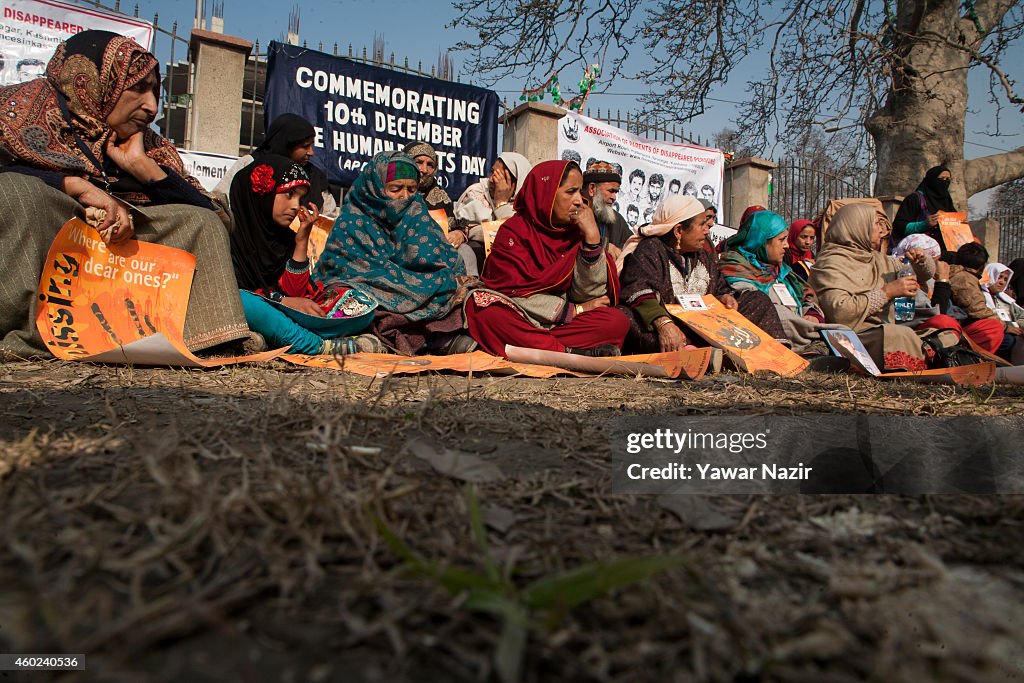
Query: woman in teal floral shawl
x=755 y=261
x=390 y=248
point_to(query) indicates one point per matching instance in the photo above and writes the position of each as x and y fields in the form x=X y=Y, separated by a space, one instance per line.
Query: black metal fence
x=801 y=191
x=1011 y=233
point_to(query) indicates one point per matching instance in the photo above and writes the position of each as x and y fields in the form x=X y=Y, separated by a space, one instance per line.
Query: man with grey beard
x=601 y=183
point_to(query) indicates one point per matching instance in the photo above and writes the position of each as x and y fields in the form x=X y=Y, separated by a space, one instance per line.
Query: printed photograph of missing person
x=654 y=188
x=571 y=155
x=846 y=344
x=635 y=188
x=632 y=216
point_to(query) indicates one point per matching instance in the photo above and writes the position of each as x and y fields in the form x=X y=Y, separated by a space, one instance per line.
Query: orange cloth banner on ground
x=746 y=345
x=119 y=303
x=955 y=230
x=676 y=365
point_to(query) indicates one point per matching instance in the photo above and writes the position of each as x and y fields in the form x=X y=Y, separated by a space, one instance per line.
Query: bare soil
x=220 y=526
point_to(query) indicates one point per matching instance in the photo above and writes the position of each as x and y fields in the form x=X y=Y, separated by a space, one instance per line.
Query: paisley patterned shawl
x=391 y=249
x=90 y=70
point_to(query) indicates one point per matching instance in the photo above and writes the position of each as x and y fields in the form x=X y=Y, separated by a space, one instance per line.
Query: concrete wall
x=215 y=118
x=532 y=130
x=746 y=184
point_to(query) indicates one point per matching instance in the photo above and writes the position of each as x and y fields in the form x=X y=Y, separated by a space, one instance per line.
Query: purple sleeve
x=176 y=190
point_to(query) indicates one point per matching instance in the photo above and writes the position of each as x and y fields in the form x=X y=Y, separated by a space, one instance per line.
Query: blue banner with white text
x=359 y=110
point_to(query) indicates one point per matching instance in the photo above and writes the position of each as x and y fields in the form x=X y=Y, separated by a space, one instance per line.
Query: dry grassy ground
x=224 y=525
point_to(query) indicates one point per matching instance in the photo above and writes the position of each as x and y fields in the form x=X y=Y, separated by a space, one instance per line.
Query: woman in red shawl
x=798 y=256
x=549 y=284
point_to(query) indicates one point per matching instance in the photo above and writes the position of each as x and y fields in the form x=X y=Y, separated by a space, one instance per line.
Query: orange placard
x=121 y=303
x=746 y=345
x=441 y=218
x=979 y=373
x=675 y=364
x=317 y=237
x=490 y=229
x=955 y=230
x=95 y=297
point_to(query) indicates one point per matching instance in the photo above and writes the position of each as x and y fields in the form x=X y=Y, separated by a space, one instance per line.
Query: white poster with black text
x=30 y=31
x=650 y=169
x=208 y=168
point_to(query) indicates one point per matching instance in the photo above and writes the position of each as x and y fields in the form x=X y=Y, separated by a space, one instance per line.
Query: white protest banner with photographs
x=650 y=169
x=30 y=31
x=209 y=169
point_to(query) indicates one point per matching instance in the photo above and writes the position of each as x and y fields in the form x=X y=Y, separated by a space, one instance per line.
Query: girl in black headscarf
x=917 y=213
x=290 y=136
x=272 y=267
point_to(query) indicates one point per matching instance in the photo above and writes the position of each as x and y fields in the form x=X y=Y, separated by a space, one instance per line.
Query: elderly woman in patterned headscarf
x=385 y=244
x=426 y=161
x=80 y=139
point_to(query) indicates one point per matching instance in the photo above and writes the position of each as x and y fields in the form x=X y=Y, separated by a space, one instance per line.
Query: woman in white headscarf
x=1005 y=306
x=490 y=199
x=667 y=261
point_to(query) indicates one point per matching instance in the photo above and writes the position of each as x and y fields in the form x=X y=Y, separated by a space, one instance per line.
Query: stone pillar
x=891 y=204
x=987 y=230
x=746 y=184
x=215 y=117
x=532 y=130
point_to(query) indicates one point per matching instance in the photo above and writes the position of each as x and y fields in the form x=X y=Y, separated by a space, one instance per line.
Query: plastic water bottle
x=904 y=305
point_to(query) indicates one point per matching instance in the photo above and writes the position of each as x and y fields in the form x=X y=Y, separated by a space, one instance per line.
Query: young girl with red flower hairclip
x=271 y=265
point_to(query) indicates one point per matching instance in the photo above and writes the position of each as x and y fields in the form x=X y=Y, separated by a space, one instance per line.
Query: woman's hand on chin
x=130 y=155
x=582 y=217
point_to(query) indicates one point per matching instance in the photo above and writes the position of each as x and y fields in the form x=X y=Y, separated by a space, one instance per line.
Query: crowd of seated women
x=558 y=276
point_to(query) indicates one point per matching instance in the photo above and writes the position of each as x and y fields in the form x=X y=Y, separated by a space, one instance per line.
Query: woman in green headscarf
x=754 y=260
x=386 y=244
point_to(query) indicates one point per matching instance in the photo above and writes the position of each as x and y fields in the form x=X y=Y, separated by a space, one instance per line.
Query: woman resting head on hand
x=80 y=139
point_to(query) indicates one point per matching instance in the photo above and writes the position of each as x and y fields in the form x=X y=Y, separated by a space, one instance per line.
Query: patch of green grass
x=544 y=601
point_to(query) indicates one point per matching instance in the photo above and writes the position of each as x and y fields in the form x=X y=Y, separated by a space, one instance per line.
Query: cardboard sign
x=95 y=297
x=119 y=303
x=955 y=230
x=969 y=375
x=441 y=218
x=318 y=238
x=490 y=229
x=748 y=347
x=846 y=344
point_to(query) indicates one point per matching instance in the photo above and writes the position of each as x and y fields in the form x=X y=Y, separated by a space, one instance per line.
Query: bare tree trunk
x=922 y=122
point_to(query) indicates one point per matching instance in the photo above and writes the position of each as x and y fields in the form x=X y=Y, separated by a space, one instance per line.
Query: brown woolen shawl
x=847 y=269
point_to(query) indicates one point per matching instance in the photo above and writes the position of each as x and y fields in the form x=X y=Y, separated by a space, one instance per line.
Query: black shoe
x=830 y=364
x=600 y=351
x=450 y=344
